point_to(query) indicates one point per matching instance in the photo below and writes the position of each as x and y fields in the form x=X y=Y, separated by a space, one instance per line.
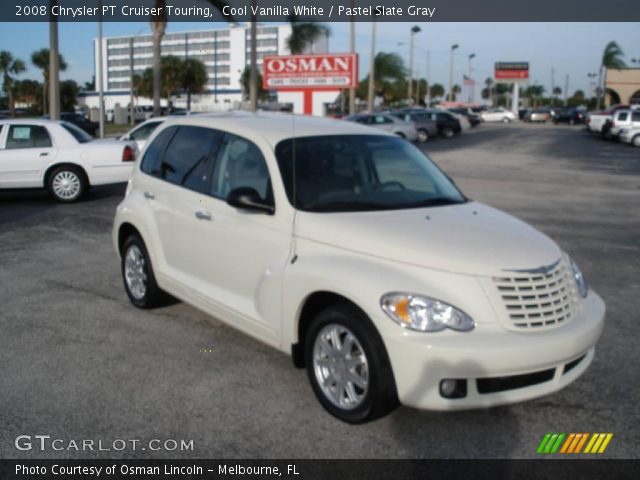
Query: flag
x=468 y=81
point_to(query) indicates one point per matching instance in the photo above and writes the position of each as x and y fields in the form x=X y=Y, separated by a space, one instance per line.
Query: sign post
x=307 y=74
x=515 y=73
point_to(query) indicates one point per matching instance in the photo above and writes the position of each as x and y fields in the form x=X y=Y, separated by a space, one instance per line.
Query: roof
x=274 y=126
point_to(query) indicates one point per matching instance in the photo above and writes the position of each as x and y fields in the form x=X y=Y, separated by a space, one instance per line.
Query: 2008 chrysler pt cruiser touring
x=351 y=250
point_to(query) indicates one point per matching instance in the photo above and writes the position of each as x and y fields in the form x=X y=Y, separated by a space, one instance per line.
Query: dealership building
x=224 y=51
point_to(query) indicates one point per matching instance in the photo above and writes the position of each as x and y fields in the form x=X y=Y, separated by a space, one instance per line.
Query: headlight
x=424 y=314
x=583 y=286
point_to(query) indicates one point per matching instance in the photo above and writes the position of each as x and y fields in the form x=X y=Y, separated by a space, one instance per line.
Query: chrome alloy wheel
x=340 y=366
x=66 y=185
x=134 y=273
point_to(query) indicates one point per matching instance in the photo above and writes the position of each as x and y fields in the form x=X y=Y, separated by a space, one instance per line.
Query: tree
x=194 y=78
x=40 y=59
x=436 y=90
x=10 y=66
x=611 y=58
x=578 y=95
x=489 y=88
x=28 y=91
x=69 y=91
x=245 y=81
x=455 y=90
x=304 y=34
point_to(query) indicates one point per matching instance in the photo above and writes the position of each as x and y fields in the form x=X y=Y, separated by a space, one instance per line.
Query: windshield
x=340 y=173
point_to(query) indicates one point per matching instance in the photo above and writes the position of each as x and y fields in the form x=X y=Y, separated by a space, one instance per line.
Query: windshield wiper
x=432 y=202
x=345 y=206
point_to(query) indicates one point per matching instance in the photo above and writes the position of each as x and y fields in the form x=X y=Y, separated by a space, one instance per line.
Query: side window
x=622 y=117
x=240 y=164
x=635 y=116
x=144 y=131
x=153 y=154
x=363 y=120
x=28 y=136
x=186 y=161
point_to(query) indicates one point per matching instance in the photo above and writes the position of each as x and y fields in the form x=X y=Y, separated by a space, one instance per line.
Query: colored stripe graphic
x=573 y=443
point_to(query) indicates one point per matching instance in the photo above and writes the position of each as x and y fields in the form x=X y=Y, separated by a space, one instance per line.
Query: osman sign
x=315 y=72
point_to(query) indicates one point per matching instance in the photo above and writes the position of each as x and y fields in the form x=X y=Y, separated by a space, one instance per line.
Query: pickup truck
x=600 y=122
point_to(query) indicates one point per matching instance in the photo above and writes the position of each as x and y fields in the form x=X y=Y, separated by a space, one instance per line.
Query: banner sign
x=512 y=70
x=314 y=72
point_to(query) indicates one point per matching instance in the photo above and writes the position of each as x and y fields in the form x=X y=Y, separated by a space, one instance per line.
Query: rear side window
x=153 y=154
x=186 y=161
x=28 y=136
x=635 y=116
x=80 y=135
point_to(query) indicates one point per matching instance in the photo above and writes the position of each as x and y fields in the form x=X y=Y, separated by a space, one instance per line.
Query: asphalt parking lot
x=78 y=361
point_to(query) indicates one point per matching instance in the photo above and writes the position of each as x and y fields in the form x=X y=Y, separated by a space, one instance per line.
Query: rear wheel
x=67 y=183
x=423 y=135
x=447 y=132
x=506 y=120
x=572 y=121
x=137 y=274
x=348 y=366
x=636 y=141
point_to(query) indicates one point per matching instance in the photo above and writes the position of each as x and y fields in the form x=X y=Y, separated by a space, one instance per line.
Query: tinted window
x=153 y=153
x=635 y=117
x=80 y=135
x=381 y=119
x=623 y=116
x=186 y=158
x=144 y=131
x=240 y=164
x=28 y=136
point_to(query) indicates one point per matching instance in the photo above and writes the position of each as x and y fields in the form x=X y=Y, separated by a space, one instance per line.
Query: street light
x=453 y=47
x=415 y=29
x=470 y=85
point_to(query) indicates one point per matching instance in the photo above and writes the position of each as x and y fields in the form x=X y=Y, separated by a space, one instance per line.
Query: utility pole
x=553 y=81
x=470 y=84
x=253 y=88
x=100 y=73
x=453 y=47
x=428 y=82
x=54 y=68
x=132 y=111
x=566 y=90
x=415 y=29
x=352 y=47
x=372 y=68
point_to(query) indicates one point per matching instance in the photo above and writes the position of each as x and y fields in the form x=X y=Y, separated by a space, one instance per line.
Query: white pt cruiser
x=349 y=249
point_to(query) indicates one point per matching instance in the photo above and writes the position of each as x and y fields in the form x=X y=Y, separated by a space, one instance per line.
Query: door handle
x=44 y=154
x=203 y=216
x=149 y=195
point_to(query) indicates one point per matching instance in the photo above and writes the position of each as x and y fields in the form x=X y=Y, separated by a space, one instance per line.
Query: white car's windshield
x=361 y=172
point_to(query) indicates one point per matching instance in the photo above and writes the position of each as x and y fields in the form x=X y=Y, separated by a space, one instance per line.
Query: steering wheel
x=393 y=183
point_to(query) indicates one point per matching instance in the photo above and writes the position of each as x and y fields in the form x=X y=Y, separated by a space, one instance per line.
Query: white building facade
x=224 y=51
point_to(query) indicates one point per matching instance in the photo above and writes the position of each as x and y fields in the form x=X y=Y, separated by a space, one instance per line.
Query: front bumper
x=488 y=354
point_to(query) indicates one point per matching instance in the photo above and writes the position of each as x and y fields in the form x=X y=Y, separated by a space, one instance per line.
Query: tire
x=572 y=122
x=138 y=277
x=370 y=390
x=423 y=135
x=636 y=141
x=506 y=120
x=67 y=184
x=447 y=132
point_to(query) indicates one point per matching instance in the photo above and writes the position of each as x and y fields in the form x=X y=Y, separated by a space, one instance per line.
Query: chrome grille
x=537 y=300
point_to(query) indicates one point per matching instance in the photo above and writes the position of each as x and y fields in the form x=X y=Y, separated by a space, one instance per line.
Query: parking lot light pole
x=415 y=29
x=372 y=69
x=470 y=84
x=54 y=68
x=100 y=73
x=453 y=47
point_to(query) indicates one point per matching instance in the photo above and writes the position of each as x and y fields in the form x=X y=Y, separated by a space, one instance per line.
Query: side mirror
x=247 y=198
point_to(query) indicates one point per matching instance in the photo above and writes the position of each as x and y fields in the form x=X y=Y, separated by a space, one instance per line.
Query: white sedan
x=60 y=157
x=498 y=115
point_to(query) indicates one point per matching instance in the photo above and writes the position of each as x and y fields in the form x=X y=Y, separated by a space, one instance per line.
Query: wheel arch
x=125 y=230
x=51 y=168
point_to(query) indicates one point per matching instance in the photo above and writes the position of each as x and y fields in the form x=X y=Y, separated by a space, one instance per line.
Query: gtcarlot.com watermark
x=47 y=443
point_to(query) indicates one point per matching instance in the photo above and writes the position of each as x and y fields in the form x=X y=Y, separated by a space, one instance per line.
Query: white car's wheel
x=423 y=135
x=636 y=141
x=138 y=277
x=67 y=184
x=506 y=120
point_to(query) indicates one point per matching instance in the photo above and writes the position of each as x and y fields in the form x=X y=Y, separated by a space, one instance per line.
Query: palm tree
x=388 y=67
x=10 y=66
x=304 y=34
x=159 y=27
x=489 y=84
x=40 y=59
x=611 y=58
x=436 y=90
x=455 y=90
x=245 y=81
x=194 y=78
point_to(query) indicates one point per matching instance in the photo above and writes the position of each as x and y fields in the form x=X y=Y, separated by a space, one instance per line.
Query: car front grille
x=539 y=298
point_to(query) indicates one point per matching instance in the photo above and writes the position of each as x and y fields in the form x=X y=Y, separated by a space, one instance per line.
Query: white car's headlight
x=583 y=286
x=424 y=314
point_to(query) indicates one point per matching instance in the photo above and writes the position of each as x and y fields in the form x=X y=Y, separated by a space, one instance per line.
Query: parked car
x=141 y=133
x=59 y=156
x=448 y=125
x=572 y=116
x=79 y=121
x=630 y=135
x=498 y=115
x=386 y=122
x=597 y=121
x=522 y=113
x=390 y=285
x=538 y=115
x=465 y=124
x=425 y=126
x=474 y=119
x=624 y=119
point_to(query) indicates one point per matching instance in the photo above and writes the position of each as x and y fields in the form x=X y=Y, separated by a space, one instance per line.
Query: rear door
x=25 y=151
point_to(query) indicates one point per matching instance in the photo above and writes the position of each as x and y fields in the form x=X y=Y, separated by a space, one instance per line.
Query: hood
x=469 y=238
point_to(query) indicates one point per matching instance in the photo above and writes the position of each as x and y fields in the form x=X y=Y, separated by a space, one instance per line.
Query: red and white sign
x=512 y=70
x=328 y=71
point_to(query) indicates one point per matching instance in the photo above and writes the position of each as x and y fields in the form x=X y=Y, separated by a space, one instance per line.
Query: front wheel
x=348 y=366
x=506 y=120
x=67 y=184
x=636 y=141
x=448 y=132
x=423 y=135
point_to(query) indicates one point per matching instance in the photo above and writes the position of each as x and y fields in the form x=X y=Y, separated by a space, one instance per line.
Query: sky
x=572 y=49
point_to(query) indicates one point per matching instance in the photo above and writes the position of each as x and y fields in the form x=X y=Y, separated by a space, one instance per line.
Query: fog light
x=453 y=388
